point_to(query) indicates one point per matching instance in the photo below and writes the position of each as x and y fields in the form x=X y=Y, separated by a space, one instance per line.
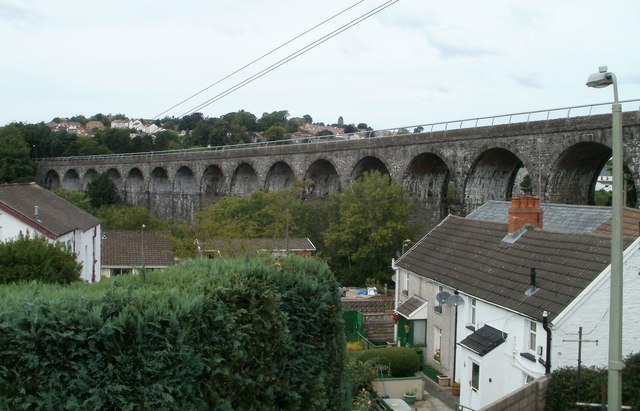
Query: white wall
x=86 y=245
x=591 y=312
x=503 y=369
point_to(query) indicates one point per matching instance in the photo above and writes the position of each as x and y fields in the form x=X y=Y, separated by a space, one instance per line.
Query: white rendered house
x=31 y=209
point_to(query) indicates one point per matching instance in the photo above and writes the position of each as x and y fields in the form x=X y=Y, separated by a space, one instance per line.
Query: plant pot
x=410 y=398
x=443 y=380
x=455 y=391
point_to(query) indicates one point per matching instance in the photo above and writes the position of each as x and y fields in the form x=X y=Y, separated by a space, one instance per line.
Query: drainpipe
x=396 y=297
x=545 y=325
x=455 y=341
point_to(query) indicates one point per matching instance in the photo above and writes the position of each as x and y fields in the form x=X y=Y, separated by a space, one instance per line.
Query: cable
x=258 y=59
x=292 y=56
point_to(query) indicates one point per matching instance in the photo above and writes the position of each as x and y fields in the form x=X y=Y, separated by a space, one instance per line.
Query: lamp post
x=142 y=253
x=601 y=79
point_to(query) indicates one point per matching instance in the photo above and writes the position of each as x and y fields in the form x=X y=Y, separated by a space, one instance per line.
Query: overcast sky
x=415 y=62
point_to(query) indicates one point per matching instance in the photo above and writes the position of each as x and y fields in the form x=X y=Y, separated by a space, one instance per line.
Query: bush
x=37 y=259
x=223 y=334
x=561 y=394
x=402 y=361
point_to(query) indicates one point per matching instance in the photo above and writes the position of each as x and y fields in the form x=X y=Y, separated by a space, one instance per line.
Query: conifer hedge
x=207 y=334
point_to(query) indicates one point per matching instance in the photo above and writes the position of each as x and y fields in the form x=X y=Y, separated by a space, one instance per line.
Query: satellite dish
x=443 y=296
x=455 y=300
x=394 y=278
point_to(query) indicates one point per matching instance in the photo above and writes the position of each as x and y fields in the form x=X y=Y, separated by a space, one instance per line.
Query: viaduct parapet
x=562 y=156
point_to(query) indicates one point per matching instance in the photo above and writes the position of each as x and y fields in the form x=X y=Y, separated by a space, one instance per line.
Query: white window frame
x=475 y=382
x=532 y=334
x=473 y=317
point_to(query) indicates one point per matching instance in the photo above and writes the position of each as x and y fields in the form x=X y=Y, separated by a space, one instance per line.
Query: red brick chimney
x=524 y=210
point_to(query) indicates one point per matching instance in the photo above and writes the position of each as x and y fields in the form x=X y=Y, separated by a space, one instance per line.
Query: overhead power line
x=259 y=58
x=292 y=56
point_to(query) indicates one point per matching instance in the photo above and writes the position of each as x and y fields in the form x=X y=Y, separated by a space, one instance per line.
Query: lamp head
x=600 y=79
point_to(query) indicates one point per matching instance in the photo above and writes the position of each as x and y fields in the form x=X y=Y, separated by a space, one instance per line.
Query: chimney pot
x=524 y=210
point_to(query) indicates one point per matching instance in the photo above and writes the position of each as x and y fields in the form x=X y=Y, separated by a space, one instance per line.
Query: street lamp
x=142 y=253
x=601 y=79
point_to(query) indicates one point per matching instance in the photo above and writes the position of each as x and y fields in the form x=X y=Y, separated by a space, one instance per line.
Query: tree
x=362 y=126
x=275 y=133
x=102 y=191
x=324 y=132
x=126 y=217
x=15 y=164
x=276 y=118
x=117 y=140
x=340 y=121
x=350 y=128
x=77 y=198
x=307 y=119
x=371 y=223
x=85 y=146
x=37 y=259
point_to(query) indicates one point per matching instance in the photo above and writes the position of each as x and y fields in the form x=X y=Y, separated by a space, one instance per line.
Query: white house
x=494 y=284
x=29 y=208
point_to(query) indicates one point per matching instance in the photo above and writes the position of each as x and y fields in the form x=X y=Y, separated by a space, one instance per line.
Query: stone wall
x=530 y=397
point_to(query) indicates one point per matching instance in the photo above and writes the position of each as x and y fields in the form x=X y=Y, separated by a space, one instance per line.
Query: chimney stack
x=524 y=210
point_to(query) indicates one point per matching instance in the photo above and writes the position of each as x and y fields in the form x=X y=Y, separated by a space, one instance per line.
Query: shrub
x=224 y=334
x=561 y=394
x=402 y=361
x=37 y=259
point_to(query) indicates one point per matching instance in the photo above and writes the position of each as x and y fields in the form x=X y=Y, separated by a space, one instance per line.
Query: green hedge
x=402 y=361
x=207 y=334
x=561 y=394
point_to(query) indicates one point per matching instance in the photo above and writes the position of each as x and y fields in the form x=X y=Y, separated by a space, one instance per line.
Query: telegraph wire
x=259 y=58
x=292 y=56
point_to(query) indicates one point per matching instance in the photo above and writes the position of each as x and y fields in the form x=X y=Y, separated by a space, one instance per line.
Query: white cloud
x=415 y=62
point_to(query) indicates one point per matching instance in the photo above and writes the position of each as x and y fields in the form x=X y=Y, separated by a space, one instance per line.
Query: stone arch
x=52 y=180
x=575 y=173
x=280 y=177
x=244 y=180
x=185 y=182
x=491 y=177
x=368 y=164
x=134 y=187
x=427 y=176
x=185 y=189
x=71 y=180
x=114 y=175
x=160 y=192
x=427 y=181
x=321 y=180
x=88 y=176
x=211 y=185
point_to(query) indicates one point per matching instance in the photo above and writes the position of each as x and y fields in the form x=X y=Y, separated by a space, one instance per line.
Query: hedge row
x=207 y=334
x=401 y=361
x=561 y=394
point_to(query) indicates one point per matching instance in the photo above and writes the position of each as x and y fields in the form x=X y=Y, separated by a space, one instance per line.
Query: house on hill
x=31 y=209
x=127 y=252
x=497 y=304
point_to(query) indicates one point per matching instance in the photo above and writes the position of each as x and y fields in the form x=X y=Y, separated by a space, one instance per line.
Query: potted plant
x=455 y=388
x=410 y=396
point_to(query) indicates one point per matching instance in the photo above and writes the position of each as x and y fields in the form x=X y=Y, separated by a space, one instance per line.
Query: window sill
x=528 y=356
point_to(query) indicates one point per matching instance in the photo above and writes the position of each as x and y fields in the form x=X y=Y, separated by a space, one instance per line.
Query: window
x=437 y=343
x=406 y=284
x=438 y=307
x=475 y=376
x=532 y=336
x=473 y=310
x=419 y=332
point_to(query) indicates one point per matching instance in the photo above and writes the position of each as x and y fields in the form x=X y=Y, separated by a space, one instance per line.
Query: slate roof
x=484 y=340
x=410 y=306
x=57 y=216
x=124 y=248
x=239 y=245
x=557 y=217
x=470 y=256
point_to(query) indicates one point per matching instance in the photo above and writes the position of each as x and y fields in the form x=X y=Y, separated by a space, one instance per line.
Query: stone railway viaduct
x=563 y=157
